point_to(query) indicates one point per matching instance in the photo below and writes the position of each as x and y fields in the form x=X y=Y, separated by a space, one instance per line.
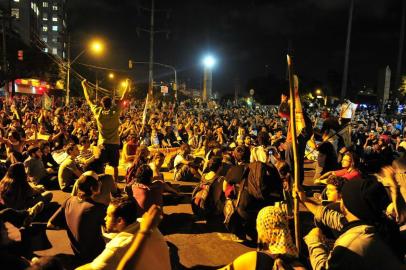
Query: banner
x=300 y=122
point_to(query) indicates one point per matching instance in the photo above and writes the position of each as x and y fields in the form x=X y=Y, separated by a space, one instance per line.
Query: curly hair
x=336 y=181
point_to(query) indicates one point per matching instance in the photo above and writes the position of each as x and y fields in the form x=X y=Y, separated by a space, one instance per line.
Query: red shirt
x=353 y=174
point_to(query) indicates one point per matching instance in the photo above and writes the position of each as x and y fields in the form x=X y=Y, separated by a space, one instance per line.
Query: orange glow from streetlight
x=111 y=75
x=97 y=46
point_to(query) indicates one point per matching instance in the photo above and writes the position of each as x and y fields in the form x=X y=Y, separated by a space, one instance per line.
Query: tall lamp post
x=96 y=47
x=208 y=63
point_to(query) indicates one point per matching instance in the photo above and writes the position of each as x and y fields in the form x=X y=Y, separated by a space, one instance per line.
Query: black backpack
x=204 y=200
x=264 y=182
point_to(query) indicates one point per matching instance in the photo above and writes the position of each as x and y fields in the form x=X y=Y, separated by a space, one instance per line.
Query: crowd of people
x=241 y=159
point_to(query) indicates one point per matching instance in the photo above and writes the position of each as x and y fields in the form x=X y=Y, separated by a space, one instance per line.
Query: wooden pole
x=295 y=151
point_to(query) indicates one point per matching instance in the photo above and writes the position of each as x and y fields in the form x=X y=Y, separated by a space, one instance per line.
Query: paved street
x=193 y=243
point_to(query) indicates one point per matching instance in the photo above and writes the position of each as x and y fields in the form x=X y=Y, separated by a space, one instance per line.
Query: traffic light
x=20 y=55
x=130 y=64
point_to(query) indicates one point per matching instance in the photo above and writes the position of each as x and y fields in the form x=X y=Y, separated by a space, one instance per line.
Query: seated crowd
x=241 y=161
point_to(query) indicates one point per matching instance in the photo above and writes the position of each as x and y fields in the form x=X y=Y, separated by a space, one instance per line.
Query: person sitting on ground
x=83 y=218
x=108 y=187
x=123 y=226
x=185 y=169
x=349 y=169
x=277 y=246
x=17 y=193
x=10 y=253
x=47 y=158
x=327 y=157
x=367 y=240
x=68 y=171
x=129 y=149
x=86 y=154
x=260 y=152
x=140 y=158
x=36 y=171
x=148 y=192
x=156 y=165
x=212 y=170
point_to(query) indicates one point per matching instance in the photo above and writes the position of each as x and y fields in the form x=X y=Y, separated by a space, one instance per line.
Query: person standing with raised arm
x=107 y=117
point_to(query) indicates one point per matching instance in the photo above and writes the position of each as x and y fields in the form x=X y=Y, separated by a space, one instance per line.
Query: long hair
x=141 y=158
x=14 y=186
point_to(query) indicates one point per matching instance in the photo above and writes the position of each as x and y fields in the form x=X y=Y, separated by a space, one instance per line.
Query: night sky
x=249 y=38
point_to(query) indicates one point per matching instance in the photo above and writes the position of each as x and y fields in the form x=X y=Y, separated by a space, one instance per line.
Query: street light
x=97 y=47
x=111 y=75
x=208 y=62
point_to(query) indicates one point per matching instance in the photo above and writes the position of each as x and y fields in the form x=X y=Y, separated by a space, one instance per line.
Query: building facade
x=40 y=22
x=53 y=26
x=25 y=21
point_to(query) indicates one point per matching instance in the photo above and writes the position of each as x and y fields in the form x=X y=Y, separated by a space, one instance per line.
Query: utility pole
x=400 y=49
x=347 y=51
x=151 y=32
x=151 y=52
x=68 y=74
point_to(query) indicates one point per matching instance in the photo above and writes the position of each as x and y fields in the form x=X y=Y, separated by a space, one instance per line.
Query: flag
x=46 y=102
x=300 y=122
x=144 y=114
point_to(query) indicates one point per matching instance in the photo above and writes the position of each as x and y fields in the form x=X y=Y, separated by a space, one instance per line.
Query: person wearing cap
x=361 y=245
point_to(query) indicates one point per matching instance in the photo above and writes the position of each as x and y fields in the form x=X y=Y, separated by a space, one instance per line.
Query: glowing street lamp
x=208 y=62
x=111 y=76
x=124 y=83
x=97 y=47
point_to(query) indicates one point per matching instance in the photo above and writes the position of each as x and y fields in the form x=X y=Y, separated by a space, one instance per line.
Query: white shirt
x=347 y=109
x=259 y=153
x=154 y=255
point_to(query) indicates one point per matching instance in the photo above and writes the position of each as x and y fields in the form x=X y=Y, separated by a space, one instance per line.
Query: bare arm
x=127 y=81
x=84 y=85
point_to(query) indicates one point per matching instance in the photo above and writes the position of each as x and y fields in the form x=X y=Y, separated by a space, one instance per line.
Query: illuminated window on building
x=46 y=50
x=44 y=4
x=44 y=28
x=54 y=19
x=54 y=28
x=54 y=7
x=45 y=39
x=54 y=39
x=15 y=12
x=16 y=1
x=54 y=51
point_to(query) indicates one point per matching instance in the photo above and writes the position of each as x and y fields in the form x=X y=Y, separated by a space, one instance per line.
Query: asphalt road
x=193 y=243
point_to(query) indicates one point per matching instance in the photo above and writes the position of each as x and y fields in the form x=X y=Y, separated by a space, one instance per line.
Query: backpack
x=203 y=202
x=264 y=182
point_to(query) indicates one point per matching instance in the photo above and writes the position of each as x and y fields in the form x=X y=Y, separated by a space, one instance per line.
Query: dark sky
x=250 y=38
